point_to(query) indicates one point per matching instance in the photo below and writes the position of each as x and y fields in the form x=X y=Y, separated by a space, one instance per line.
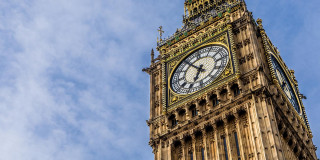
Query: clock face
x=285 y=84
x=199 y=69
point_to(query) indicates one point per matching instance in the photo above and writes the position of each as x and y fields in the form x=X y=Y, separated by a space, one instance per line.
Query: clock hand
x=197 y=76
x=191 y=65
x=198 y=72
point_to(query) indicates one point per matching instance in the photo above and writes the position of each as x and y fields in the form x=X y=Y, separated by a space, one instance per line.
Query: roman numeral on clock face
x=201 y=83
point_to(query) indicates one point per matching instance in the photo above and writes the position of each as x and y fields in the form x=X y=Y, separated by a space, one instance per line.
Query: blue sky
x=71 y=86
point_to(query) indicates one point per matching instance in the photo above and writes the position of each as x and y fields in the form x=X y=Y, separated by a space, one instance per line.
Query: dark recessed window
x=237 y=144
x=194 y=111
x=225 y=148
x=202 y=153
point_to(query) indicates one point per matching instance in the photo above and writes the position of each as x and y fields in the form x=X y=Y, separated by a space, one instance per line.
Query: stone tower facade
x=219 y=90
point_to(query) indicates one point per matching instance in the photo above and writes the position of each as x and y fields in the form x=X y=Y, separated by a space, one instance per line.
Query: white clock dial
x=199 y=69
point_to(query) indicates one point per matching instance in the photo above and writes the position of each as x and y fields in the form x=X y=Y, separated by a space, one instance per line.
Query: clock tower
x=219 y=90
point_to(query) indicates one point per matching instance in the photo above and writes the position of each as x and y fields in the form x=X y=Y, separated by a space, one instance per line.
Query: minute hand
x=192 y=65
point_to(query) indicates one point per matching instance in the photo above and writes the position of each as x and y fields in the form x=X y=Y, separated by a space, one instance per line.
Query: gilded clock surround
x=175 y=100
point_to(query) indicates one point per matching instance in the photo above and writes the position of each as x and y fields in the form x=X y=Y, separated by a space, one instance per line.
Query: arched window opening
x=203 y=102
x=241 y=112
x=182 y=115
x=230 y=118
x=285 y=135
x=173 y=120
x=202 y=105
x=193 y=110
x=236 y=90
x=219 y=123
x=280 y=126
x=290 y=142
x=209 y=128
x=223 y=94
x=214 y=99
x=295 y=150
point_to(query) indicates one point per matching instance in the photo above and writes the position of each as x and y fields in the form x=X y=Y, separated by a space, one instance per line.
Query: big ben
x=219 y=90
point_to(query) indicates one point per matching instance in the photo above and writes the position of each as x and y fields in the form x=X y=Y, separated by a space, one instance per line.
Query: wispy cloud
x=72 y=86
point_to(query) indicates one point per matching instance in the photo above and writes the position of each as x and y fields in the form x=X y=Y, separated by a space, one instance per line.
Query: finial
x=160 y=33
x=259 y=21
x=228 y=17
x=152 y=56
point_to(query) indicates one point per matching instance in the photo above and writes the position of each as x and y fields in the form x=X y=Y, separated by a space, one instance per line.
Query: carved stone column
x=241 y=146
x=169 y=149
x=204 y=138
x=193 y=136
x=198 y=107
x=240 y=85
x=208 y=103
x=218 y=97
x=227 y=136
x=183 y=145
x=250 y=83
x=215 y=131
x=229 y=92
x=187 y=112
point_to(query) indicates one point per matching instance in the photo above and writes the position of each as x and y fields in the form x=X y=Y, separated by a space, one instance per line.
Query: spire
x=152 y=56
x=259 y=22
x=160 y=34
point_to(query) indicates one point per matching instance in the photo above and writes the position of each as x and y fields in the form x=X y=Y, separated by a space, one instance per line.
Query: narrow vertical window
x=215 y=100
x=191 y=156
x=236 y=90
x=237 y=143
x=174 y=122
x=202 y=153
x=194 y=111
x=225 y=147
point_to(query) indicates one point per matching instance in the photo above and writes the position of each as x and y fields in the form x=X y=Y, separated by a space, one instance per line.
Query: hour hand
x=200 y=69
x=197 y=76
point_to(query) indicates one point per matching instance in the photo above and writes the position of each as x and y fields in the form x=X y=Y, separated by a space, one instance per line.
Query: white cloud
x=67 y=81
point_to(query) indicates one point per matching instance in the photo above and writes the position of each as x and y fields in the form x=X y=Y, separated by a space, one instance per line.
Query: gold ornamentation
x=227 y=72
x=175 y=99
